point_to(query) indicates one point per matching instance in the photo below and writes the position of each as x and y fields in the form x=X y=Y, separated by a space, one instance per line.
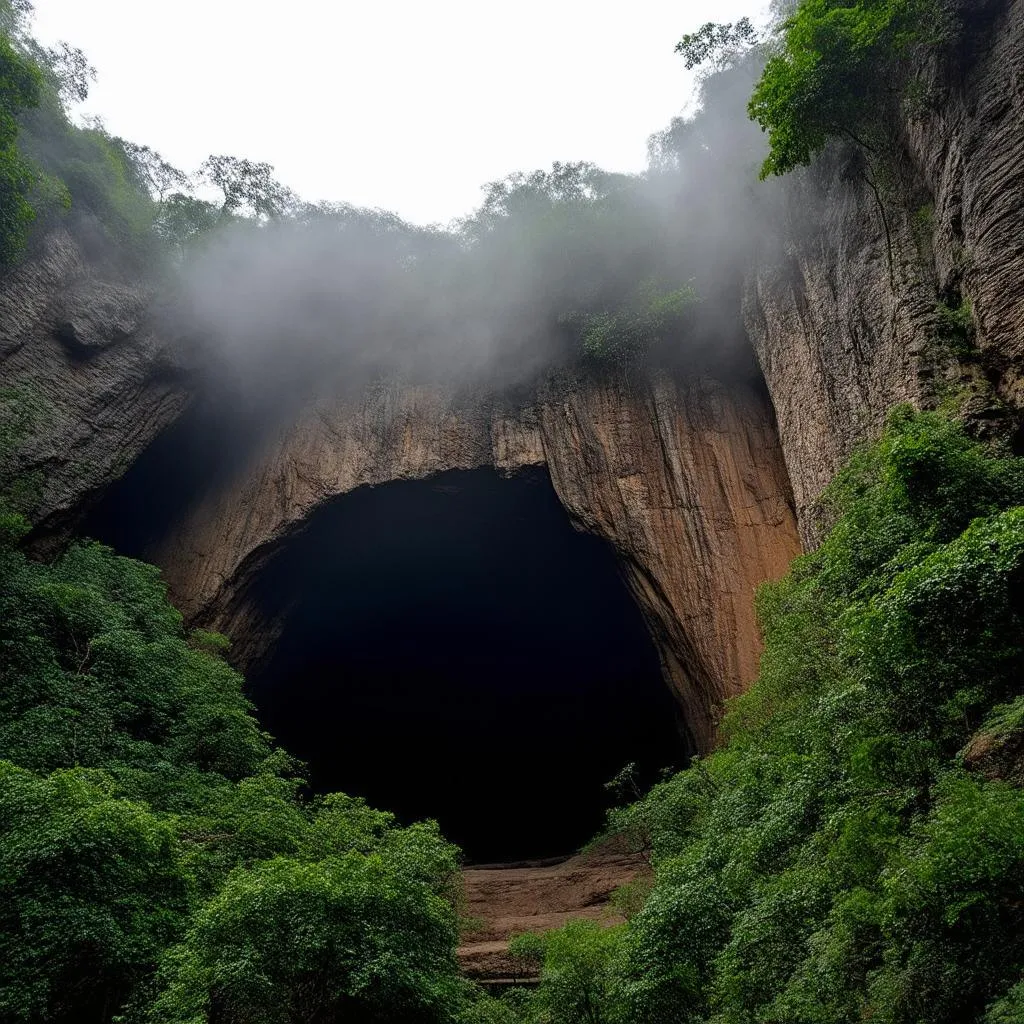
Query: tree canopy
x=834 y=73
x=156 y=859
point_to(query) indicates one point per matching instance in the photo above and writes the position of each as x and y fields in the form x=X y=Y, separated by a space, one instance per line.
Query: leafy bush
x=145 y=820
x=577 y=964
x=651 y=317
x=833 y=861
x=833 y=72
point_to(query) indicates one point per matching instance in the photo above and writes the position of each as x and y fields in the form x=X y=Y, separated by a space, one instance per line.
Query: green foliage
x=20 y=83
x=715 y=42
x=652 y=317
x=833 y=71
x=50 y=164
x=578 y=972
x=147 y=823
x=91 y=890
x=1009 y=1009
x=956 y=327
x=247 y=186
x=833 y=862
x=349 y=938
x=576 y=247
x=514 y=1006
x=22 y=412
x=107 y=679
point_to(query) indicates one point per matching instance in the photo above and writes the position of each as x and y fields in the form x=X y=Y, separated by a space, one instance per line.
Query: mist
x=322 y=298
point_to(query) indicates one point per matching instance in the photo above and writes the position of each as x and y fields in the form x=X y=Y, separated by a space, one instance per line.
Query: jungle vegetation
x=838 y=859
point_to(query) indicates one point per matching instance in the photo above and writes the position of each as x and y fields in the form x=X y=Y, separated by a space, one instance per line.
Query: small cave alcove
x=451 y=648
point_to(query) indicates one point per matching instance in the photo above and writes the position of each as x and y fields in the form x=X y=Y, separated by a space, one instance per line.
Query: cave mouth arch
x=452 y=648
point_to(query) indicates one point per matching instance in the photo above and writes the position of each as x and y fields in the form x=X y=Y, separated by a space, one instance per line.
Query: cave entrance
x=452 y=648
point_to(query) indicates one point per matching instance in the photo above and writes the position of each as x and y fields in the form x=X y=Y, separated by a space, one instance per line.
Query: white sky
x=405 y=104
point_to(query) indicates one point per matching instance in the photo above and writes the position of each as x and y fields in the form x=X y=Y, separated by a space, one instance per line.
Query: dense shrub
x=145 y=820
x=834 y=862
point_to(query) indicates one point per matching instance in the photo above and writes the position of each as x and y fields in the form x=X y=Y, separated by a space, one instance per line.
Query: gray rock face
x=969 y=151
x=843 y=311
x=85 y=382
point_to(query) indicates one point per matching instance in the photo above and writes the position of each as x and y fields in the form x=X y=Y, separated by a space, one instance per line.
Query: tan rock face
x=87 y=374
x=684 y=477
x=842 y=309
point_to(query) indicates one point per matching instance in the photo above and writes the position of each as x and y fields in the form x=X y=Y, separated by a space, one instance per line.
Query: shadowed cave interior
x=450 y=648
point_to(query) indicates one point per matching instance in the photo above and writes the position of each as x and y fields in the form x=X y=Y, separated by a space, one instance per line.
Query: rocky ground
x=504 y=900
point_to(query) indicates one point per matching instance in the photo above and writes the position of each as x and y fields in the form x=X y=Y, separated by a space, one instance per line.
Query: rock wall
x=699 y=483
x=85 y=381
x=842 y=308
x=683 y=476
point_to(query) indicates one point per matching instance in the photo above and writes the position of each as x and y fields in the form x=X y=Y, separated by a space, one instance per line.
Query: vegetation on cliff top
x=583 y=264
x=834 y=69
x=841 y=70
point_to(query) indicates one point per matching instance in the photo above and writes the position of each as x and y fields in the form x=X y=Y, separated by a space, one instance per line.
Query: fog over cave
x=456 y=650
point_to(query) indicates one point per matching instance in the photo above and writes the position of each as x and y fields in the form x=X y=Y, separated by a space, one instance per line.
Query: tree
x=347 y=939
x=14 y=15
x=834 y=72
x=20 y=83
x=154 y=173
x=247 y=187
x=68 y=69
x=91 y=891
x=716 y=43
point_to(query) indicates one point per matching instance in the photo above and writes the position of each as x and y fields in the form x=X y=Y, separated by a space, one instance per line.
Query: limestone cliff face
x=684 y=477
x=86 y=382
x=843 y=310
x=703 y=486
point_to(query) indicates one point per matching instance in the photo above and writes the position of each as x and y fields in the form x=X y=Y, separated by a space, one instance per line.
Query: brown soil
x=505 y=900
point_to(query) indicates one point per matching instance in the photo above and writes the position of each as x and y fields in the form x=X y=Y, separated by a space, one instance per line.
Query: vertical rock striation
x=843 y=308
x=683 y=476
x=87 y=382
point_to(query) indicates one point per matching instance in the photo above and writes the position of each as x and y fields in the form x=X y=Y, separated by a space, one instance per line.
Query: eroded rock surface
x=87 y=382
x=843 y=309
x=683 y=476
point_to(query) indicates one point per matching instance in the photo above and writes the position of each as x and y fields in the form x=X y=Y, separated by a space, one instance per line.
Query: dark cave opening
x=453 y=649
